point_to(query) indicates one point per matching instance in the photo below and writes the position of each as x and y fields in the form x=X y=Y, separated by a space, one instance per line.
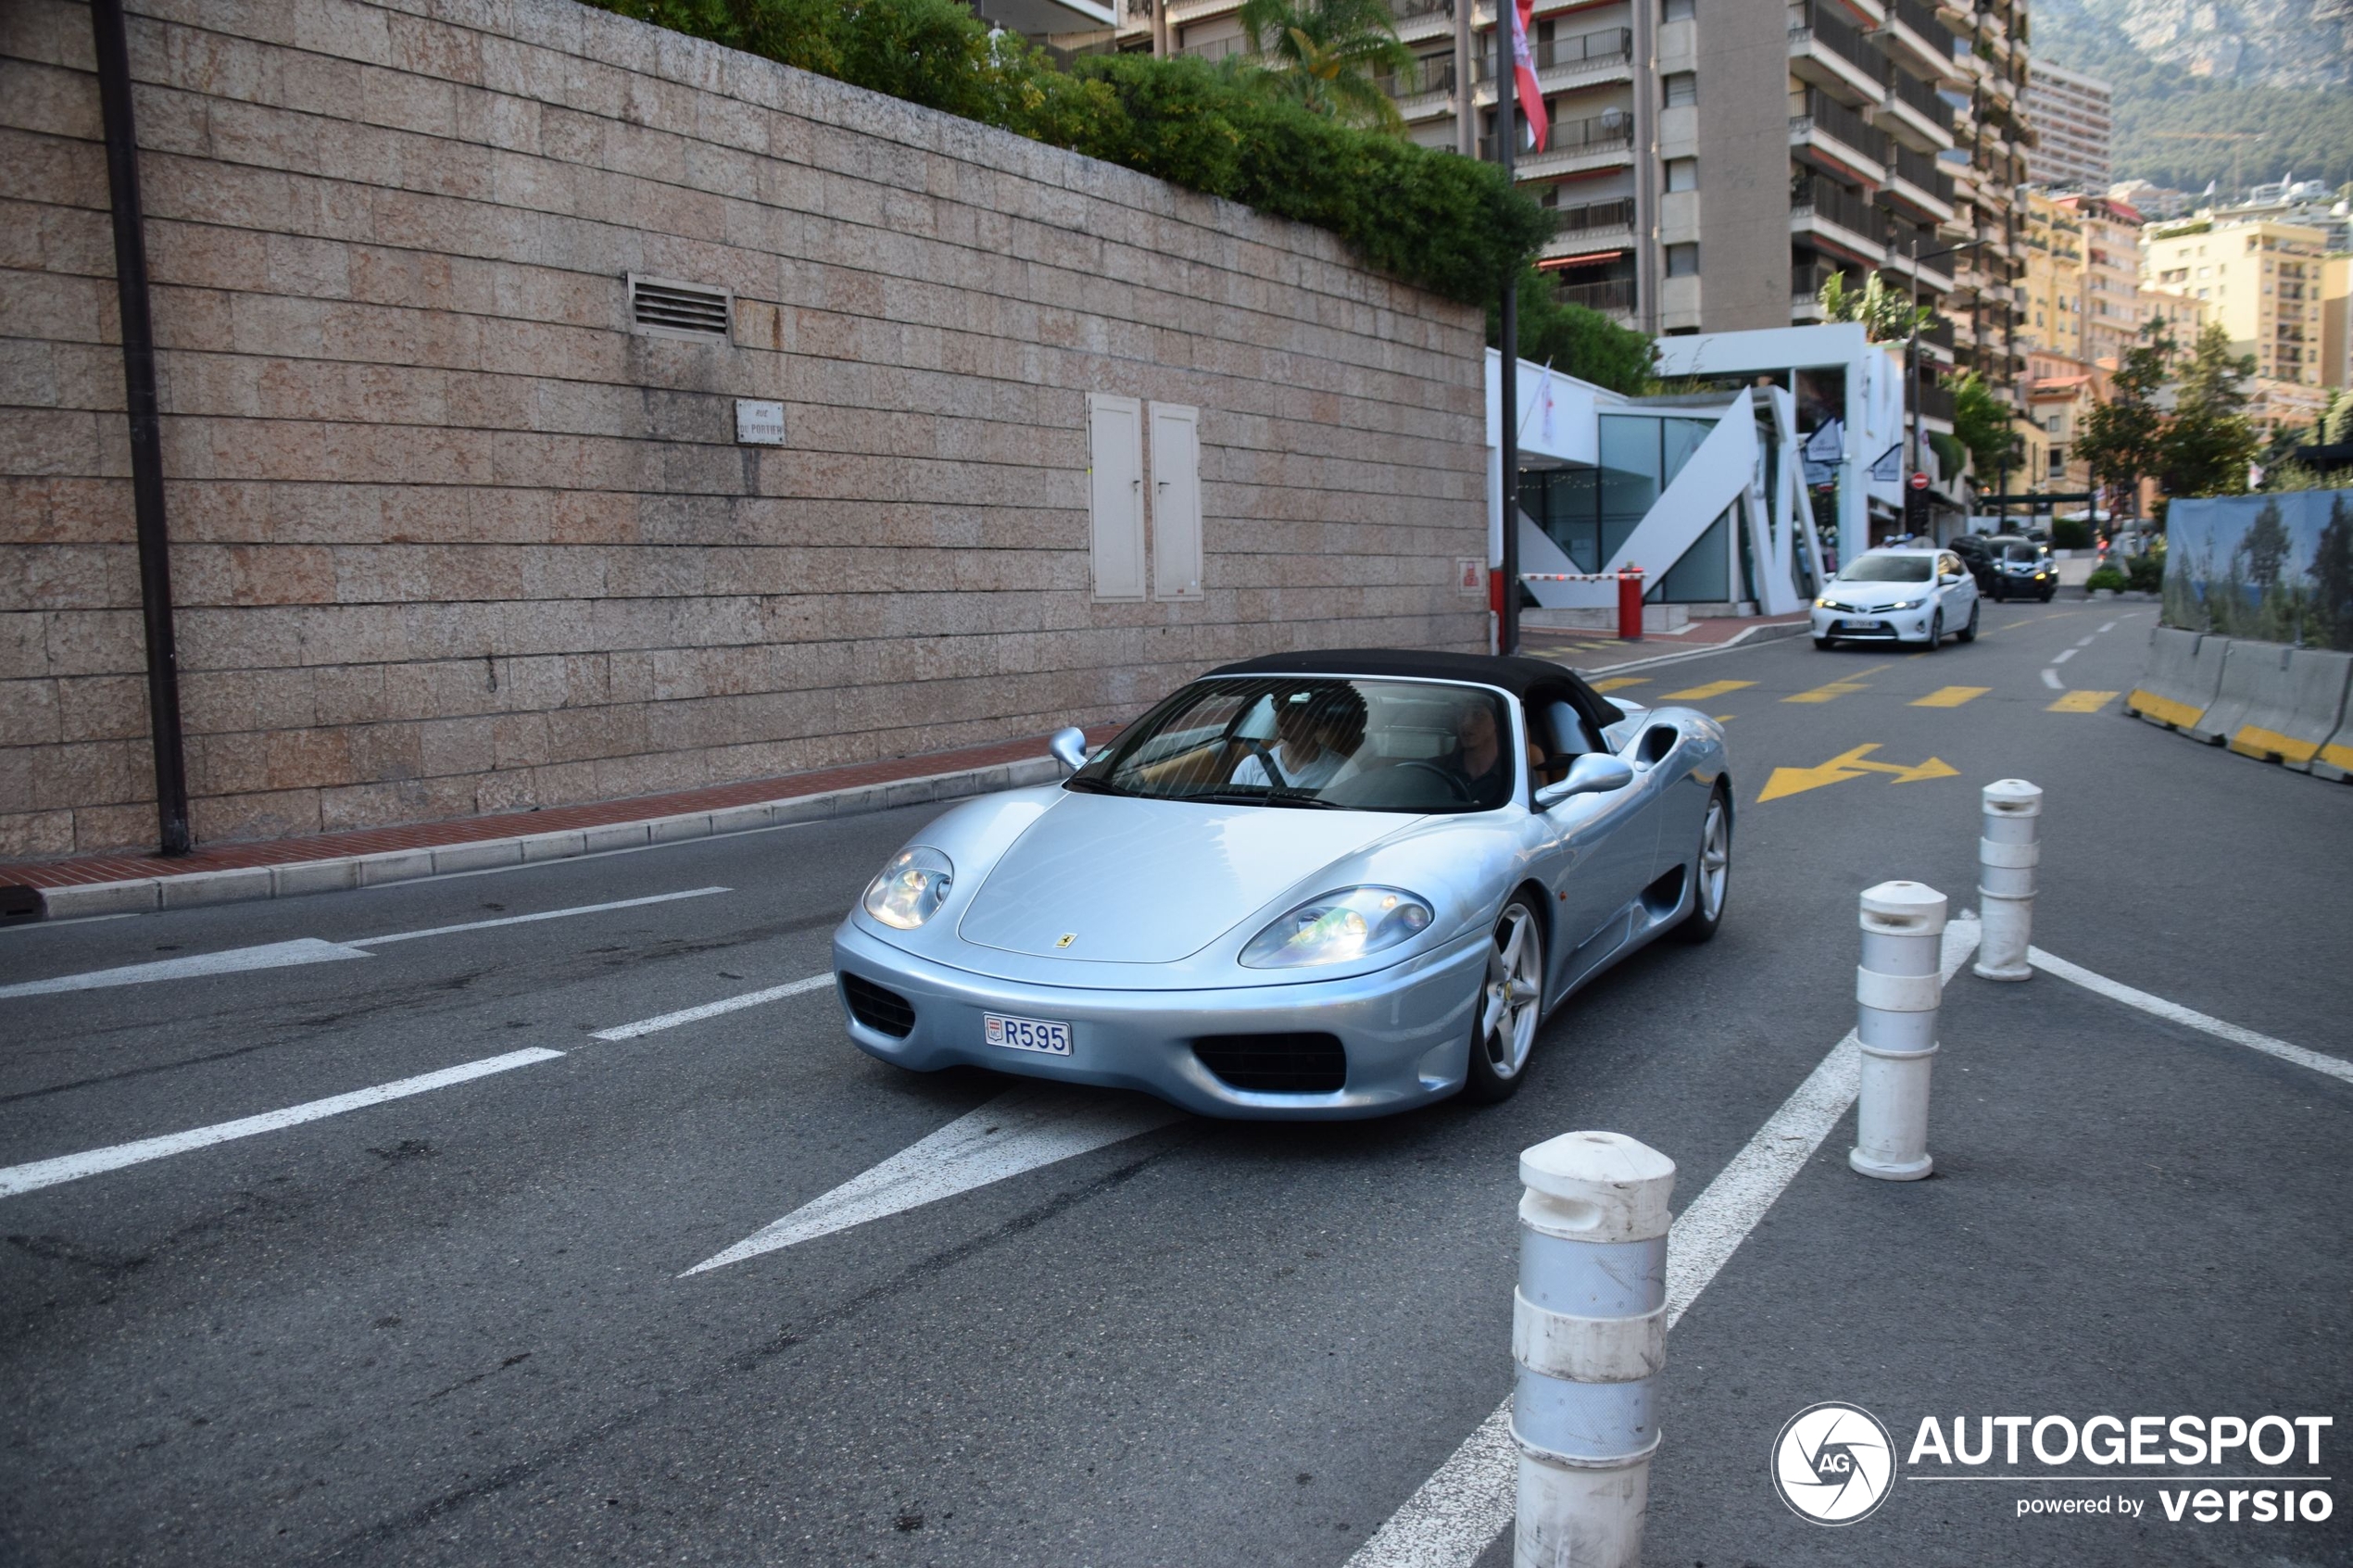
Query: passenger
x=1479 y=761
x=1316 y=733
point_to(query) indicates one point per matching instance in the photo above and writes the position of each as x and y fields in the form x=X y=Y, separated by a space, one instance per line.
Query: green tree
x=2337 y=424
x=2123 y=438
x=2209 y=440
x=1887 y=314
x=1327 y=56
x=1574 y=339
x=1983 y=423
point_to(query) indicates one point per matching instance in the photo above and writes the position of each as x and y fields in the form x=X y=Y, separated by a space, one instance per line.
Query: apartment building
x=2264 y=280
x=2073 y=122
x=1700 y=153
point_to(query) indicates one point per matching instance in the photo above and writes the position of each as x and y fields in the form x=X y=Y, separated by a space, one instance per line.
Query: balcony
x=1918 y=115
x=1805 y=283
x=1427 y=89
x=1611 y=295
x=1593 y=227
x=1832 y=217
x=1915 y=35
x=1575 y=146
x=1837 y=134
x=1936 y=403
x=1831 y=53
x=1564 y=64
x=1421 y=20
x=1917 y=181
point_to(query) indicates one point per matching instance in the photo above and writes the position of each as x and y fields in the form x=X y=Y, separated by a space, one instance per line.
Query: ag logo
x=1833 y=1463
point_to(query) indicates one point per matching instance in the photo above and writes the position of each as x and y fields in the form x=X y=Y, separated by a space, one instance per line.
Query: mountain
x=2236 y=91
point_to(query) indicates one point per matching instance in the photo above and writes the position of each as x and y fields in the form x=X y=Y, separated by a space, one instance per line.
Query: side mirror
x=1949 y=579
x=1594 y=773
x=1069 y=747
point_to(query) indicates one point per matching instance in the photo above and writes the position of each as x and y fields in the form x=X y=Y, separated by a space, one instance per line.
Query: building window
x=1683 y=261
x=1682 y=174
x=1682 y=88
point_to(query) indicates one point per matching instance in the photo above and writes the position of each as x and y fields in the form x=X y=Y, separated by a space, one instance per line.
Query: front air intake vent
x=886 y=1012
x=1277 y=1064
x=666 y=307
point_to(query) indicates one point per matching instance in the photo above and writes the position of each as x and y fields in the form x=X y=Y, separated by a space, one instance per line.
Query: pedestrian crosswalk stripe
x=2082 y=702
x=1837 y=688
x=1950 y=697
x=1620 y=683
x=1713 y=688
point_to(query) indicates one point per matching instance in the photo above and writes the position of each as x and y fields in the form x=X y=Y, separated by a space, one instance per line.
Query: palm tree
x=1328 y=56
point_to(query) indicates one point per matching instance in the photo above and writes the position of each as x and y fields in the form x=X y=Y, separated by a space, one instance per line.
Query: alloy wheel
x=1515 y=988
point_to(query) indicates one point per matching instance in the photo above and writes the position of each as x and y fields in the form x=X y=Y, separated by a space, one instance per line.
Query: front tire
x=1509 y=1007
x=1711 y=871
x=1969 y=633
x=1936 y=631
x=1824 y=644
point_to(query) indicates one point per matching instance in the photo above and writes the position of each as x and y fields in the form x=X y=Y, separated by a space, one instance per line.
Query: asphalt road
x=457 y=1326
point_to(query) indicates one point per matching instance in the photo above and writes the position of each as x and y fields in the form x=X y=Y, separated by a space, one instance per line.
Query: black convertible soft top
x=1516 y=675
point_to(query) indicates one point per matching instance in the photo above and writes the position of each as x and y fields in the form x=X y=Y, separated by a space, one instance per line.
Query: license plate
x=1025 y=1033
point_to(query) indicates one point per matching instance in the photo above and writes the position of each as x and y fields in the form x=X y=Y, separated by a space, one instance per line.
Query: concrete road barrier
x=2293 y=713
x=2252 y=672
x=2177 y=687
x=1589 y=1331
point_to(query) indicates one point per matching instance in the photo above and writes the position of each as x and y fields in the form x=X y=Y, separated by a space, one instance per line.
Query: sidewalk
x=94 y=885
x=1592 y=652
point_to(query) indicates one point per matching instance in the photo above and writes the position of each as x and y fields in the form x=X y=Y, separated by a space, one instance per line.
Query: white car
x=1910 y=596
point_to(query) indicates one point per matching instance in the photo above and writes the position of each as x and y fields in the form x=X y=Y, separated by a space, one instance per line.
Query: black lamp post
x=1507 y=381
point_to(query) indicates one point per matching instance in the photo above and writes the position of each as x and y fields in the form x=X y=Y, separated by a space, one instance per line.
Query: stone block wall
x=449 y=538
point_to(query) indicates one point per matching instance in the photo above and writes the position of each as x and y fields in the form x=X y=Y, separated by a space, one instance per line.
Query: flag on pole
x=1531 y=95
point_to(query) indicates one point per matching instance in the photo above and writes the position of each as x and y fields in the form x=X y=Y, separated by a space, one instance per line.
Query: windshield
x=1312 y=742
x=1887 y=568
x=2021 y=552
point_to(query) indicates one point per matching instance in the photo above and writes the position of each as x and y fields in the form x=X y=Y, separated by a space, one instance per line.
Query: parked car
x=1312 y=886
x=1898 y=596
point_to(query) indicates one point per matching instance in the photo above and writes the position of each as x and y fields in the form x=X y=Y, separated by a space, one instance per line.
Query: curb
x=239 y=884
x=1749 y=634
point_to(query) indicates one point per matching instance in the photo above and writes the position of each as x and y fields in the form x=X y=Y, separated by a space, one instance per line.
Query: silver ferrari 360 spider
x=1316 y=885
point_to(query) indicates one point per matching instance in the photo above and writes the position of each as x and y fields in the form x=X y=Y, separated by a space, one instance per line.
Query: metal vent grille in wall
x=666 y=307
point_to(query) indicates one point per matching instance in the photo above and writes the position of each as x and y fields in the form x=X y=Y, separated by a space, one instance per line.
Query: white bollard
x=1589 y=1331
x=2006 y=857
x=1898 y=990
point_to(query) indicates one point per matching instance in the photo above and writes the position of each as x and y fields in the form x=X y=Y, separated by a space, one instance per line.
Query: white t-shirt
x=1305 y=776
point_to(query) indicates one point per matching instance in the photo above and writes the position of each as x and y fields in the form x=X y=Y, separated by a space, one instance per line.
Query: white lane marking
x=2086 y=642
x=2173 y=1012
x=2110 y=626
x=711 y=1009
x=2062 y=656
x=307 y=949
x=2050 y=679
x=1460 y=1510
x=72 y=1167
x=273 y=955
x=1020 y=1130
x=526 y=920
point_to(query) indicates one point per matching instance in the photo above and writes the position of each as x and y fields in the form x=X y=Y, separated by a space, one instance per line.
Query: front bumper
x=1406 y=1029
x=1861 y=625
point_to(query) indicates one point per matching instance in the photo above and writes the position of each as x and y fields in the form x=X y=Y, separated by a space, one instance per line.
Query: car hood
x=1112 y=880
x=1876 y=595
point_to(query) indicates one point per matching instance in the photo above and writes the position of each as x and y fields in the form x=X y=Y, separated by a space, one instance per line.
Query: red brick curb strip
x=284 y=868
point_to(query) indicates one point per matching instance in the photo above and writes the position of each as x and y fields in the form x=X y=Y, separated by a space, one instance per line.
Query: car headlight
x=1340 y=927
x=911 y=888
x=1906 y=604
x=1824 y=603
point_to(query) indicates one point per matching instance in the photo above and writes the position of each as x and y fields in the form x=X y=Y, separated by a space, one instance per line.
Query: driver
x=1316 y=733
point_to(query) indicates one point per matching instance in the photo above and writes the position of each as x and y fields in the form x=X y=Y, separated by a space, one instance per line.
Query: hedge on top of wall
x=1446 y=223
